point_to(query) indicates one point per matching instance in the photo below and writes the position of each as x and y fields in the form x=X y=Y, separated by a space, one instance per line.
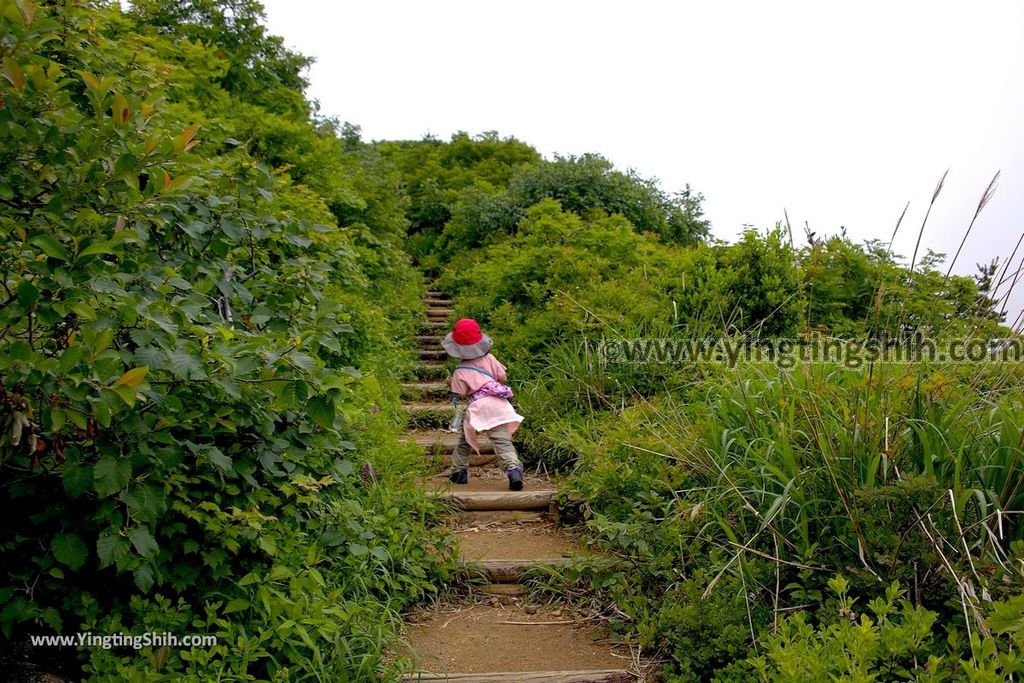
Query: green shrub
x=196 y=358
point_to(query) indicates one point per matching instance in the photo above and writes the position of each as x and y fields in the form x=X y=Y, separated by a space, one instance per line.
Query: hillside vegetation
x=208 y=296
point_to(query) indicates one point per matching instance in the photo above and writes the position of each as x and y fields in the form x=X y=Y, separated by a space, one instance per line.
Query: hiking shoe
x=460 y=476
x=515 y=479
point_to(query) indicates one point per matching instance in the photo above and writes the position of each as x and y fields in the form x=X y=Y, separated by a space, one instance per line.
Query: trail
x=494 y=635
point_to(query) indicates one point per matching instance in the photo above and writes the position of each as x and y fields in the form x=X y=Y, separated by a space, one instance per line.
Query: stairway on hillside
x=494 y=636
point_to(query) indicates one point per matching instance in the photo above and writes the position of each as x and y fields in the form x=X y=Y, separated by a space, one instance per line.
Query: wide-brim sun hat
x=466 y=341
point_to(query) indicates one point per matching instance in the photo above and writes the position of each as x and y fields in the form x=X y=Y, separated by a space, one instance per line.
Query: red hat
x=466 y=332
x=466 y=340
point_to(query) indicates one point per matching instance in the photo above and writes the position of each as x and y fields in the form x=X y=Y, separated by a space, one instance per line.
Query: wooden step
x=419 y=409
x=436 y=323
x=432 y=354
x=429 y=338
x=445 y=440
x=509 y=571
x=434 y=369
x=594 y=676
x=510 y=589
x=499 y=500
x=477 y=517
x=435 y=292
x=437 y=301
x=440 y=389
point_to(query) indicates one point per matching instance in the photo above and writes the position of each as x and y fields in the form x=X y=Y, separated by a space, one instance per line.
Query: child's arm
x=457 y=384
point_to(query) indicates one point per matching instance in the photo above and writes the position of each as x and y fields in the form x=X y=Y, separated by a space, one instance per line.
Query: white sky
x=840 y=113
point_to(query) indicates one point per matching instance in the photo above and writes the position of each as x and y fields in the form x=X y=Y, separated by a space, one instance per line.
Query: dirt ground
x=475 y=639
x=519 y=542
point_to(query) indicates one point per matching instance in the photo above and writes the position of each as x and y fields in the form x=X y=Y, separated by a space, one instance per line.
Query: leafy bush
x=196 y=358
x=897 y=643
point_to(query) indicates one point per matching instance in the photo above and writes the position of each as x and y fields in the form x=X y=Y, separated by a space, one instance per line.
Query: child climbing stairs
x=495 y=636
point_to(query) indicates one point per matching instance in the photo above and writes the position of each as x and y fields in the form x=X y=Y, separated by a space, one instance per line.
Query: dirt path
x=495 y=635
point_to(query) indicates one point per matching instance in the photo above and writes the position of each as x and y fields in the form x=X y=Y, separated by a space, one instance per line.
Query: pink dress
x=486 y=412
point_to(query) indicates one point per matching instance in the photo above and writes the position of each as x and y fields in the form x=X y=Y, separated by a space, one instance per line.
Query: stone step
x=540 y=499
x=437 y=301
x=435 y=292
x=436 y=323
x=434 y=339
x=432 y=354
x=583 y=676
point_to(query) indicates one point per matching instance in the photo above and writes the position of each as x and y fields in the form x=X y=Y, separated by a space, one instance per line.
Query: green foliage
x=896 y=642
x=730 y=494
x=198 y=340
x=475 y=191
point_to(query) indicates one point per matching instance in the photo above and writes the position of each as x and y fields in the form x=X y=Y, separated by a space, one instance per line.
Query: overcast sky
x=840 y=114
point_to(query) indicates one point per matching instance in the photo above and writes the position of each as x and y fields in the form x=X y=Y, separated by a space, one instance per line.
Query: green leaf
x=78 y=479
x=126 y=393
x=134 y=377
x=219 y=459
x=143 y=541
x=92 y=82
x=144 y=577
x=236 y=605
x=111 y=547
x=70 y=550
x=358 y=549
x=185 y=365
x=27 y=294
x=97 y=248
x=321 y=410
x=11 y=70
x=52 y=247
x=111 y=475
x=19 y=351
x=101 y=341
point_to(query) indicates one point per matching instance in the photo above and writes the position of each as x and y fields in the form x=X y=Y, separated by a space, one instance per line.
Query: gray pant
x=503 y=448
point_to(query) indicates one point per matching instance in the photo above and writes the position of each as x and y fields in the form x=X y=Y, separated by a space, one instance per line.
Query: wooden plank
x=596 y=676
x=509 y=571
x=429 y=338
x=421 y=407
x=512 y=589
x=479 y=517
x=426 y=388
x=500 y=500
x=432 y=354
x=444 y=440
